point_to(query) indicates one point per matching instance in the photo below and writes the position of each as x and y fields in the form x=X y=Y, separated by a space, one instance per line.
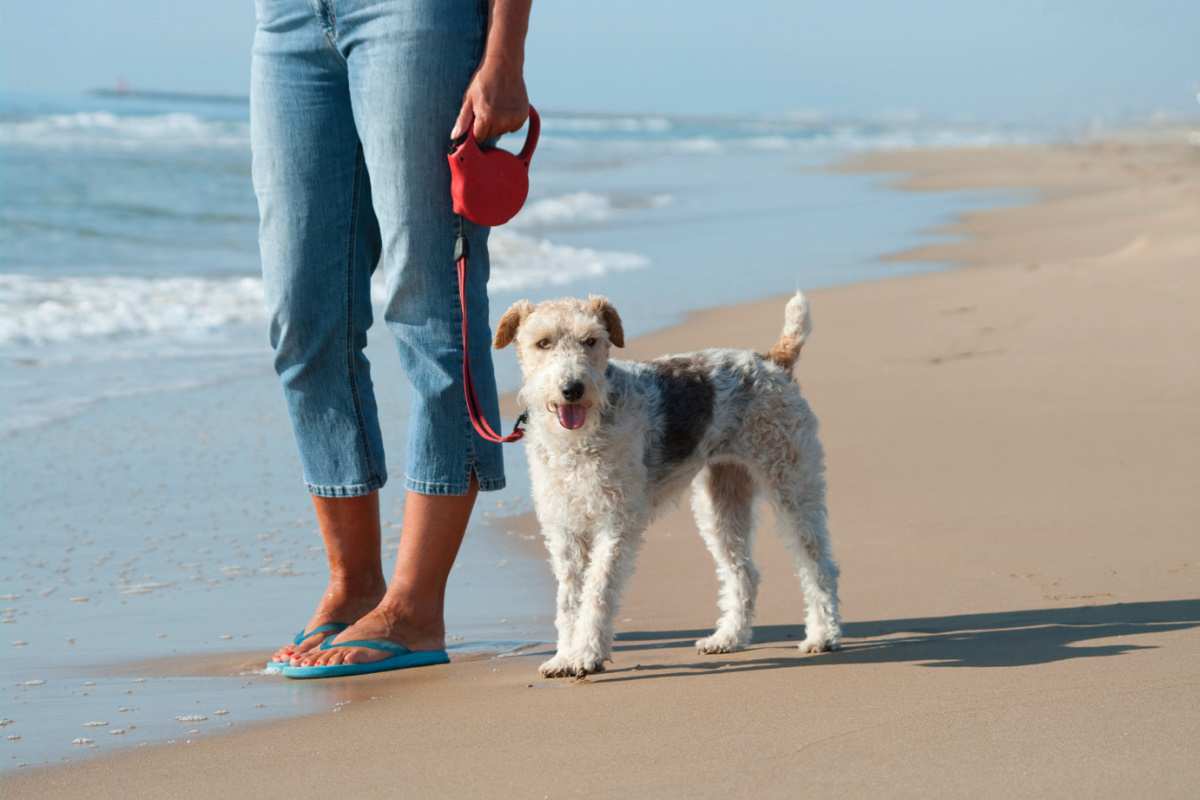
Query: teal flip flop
x=401 y=658
x=329 y=629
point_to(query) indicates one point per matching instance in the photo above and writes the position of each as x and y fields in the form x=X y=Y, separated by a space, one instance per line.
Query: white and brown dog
x=610 y=442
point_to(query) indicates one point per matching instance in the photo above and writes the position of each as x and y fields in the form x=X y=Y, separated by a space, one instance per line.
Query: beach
x=1012 y=471
x=156 y=512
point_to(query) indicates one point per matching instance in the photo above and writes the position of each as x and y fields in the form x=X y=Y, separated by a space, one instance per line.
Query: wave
x=809 y=142
x=36 y=310
x=523 y=262
x=42 y=311
x=606 y=124
x=103 y=129
x=712 y=135
x=581 y=208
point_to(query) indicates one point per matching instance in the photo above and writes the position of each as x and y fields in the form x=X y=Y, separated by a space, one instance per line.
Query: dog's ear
x=506 y=330
x=612 y=320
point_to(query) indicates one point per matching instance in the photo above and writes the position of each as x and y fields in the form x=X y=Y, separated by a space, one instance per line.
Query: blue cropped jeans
x=352 y=102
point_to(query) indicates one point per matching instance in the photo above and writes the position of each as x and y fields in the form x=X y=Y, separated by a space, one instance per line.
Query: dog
x=611 y=442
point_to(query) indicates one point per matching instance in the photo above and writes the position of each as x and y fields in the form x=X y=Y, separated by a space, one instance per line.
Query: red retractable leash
x=488 y=187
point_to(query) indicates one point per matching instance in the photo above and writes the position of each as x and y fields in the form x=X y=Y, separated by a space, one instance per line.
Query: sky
x=1012 y=60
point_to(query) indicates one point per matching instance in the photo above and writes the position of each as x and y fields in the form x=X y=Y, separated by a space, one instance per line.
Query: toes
x=556 y=668
x=587 y=666
x=818 y=646
x=331 y=657
x=308 y=659
x=714 y=644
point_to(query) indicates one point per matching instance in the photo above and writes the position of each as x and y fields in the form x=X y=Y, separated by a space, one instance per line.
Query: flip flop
x=401 y=658
x=329 y=629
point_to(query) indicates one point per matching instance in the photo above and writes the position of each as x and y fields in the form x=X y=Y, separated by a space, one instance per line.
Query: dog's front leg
x=610 y=563
x=568 y=559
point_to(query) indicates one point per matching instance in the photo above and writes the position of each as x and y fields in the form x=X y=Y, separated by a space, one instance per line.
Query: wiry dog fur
x=729 y=422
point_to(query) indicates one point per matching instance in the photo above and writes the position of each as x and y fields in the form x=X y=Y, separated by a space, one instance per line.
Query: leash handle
x=474 y=409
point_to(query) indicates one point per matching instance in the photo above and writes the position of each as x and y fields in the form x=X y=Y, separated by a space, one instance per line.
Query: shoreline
x=902 y=371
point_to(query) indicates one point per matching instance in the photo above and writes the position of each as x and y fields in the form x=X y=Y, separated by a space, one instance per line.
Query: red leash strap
x=474 y=410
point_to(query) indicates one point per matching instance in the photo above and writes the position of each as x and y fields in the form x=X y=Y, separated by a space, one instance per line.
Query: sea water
x=152 y=497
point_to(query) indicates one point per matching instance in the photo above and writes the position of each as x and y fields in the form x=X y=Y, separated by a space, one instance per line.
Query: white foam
x=602 y=124
x=820 y=141
x=565 y=209
x=523 y=262
x=146 y=587
x=650 y=133
x=41 y=311
x=37 y=310
x=581 y=208
x=104 y=129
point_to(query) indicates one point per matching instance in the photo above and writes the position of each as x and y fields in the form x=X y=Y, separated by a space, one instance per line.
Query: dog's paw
x=821 y=645
x=588 y=664
x=718 y=643
x=558 y=667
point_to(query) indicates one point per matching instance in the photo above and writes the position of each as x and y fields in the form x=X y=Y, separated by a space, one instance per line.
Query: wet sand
x=1013 y=462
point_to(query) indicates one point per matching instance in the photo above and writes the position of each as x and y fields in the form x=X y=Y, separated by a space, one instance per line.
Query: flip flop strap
x=328 y=627
x=370 y=644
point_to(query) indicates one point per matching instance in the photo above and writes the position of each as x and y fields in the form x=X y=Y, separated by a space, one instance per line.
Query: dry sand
x=1015 y=487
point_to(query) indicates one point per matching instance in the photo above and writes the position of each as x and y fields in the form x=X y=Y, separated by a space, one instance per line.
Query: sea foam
x=38 y=311
x=103 y=129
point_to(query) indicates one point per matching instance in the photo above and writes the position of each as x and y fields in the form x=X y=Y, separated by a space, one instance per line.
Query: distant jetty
x=151 y=94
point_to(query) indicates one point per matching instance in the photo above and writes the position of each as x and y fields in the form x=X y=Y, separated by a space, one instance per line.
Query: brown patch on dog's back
x=687 y=406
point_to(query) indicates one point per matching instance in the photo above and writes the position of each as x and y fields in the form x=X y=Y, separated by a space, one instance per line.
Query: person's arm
x=496 y=98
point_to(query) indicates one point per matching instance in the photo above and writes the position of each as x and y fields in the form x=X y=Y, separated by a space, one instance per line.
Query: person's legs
x=412 y=611
x=350 y=531
x=406 y=90
x=320 y=242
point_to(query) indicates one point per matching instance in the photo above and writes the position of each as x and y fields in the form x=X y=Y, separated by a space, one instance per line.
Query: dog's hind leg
x=723 y=502
x=803 y=524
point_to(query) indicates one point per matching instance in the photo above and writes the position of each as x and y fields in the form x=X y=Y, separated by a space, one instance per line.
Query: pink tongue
x=572 y=416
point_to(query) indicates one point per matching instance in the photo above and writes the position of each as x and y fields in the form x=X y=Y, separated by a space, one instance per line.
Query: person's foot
x=386 y=621
x=340 y=603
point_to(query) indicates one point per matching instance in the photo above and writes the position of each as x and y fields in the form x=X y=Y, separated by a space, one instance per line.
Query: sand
x=1015 y=490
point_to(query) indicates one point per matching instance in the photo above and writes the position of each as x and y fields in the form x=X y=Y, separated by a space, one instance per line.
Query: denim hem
x=457 y=489
x=348 y=490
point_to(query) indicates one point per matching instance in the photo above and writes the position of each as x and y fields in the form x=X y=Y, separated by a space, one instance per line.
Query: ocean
x=152 y=499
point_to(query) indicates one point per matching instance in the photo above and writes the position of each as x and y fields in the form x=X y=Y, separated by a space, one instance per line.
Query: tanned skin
x=409 y=609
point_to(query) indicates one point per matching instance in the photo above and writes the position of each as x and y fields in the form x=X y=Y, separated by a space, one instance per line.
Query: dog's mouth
x=571 y=416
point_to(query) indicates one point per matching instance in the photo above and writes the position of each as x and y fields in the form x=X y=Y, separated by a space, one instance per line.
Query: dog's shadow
x=1002 y=639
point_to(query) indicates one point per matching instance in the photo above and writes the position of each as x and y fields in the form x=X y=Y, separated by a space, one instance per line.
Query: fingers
x=483 y=126
x=466 y=115
x=490 y=123
x=487 y=122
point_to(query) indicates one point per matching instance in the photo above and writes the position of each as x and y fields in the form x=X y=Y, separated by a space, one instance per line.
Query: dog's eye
x=590 y=341
x=543 y=344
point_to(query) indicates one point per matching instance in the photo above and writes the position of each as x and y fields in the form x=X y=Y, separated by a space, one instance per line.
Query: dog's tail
x=797 y=324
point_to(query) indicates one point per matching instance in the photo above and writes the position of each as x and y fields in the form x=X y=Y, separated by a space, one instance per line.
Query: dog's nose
x=572 y=391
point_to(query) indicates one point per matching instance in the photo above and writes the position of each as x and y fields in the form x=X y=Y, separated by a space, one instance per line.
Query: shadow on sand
x=1002 y=639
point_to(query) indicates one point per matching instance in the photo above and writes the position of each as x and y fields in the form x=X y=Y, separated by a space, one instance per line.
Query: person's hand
x=495 y=101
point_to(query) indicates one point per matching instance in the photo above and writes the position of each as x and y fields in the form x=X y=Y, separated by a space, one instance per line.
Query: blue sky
x=1015 y=60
